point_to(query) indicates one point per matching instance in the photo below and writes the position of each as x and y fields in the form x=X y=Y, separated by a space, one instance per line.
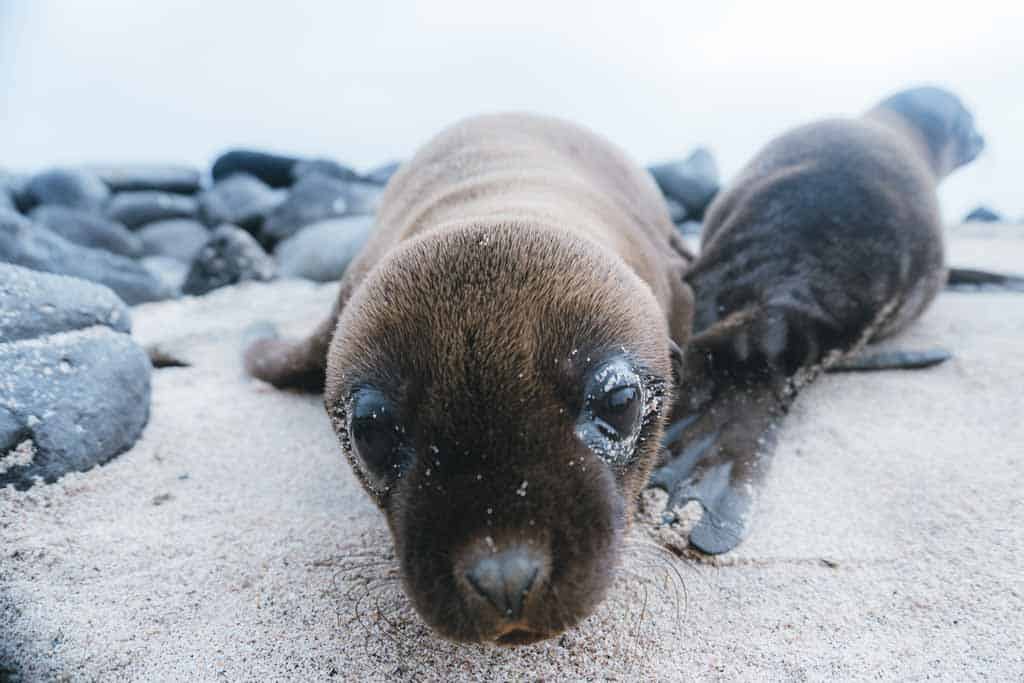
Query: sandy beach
x=233 y=542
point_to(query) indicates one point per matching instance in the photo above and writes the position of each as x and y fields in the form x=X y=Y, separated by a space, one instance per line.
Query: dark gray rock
x=313 y=198
x=982 y=214
x=88 y=229
x=240 y=199
x=14 y=186
x=148 y=206
x=273 y=169
x=230 y=256
x=35 y=247
x=676 y=211
x=73 y=188
x=382 y=174
x=693 y=182
x=327 y=167
x=80 y=397
x=322 y=251
x=170 y=271
x=179 y=238
x=160 y=177
x=35 y=304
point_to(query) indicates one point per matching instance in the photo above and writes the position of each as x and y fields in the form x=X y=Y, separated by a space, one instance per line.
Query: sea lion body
x=498 y=369
x=830 y=237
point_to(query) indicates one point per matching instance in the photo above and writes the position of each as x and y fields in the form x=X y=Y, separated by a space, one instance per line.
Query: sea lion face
x=500 y=393
x=945 y=123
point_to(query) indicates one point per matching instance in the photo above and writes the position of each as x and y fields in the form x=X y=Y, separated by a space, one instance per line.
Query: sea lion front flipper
x=968 y=279
x=892 y=360
x=288 y=363
x=717 y=458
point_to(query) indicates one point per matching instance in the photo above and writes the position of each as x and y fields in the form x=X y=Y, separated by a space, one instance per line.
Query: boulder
x=982 y=214
x=33 y=246
x=240 y=199
x=178 y=238
x=693 y=182
x=73 y=188
x=382 y=174
x=325 y=167
x=160 y=177
x=231 y=255
x=88 y=229
x=313 y=198
x=322 y=251
x=273 y=169
x=35 y=304
x=68 y=402
x=148 y=206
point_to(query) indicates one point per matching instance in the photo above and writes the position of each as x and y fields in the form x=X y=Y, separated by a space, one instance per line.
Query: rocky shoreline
x=81 y=243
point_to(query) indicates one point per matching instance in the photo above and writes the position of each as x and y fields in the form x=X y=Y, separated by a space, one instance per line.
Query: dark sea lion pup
x=498 y=369
x=829 y=238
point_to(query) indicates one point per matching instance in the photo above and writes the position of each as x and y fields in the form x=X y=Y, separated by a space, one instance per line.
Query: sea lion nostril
x=505 y=578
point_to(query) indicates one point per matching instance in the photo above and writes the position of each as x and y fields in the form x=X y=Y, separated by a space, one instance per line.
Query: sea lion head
x=943 y=121
x=500 y=392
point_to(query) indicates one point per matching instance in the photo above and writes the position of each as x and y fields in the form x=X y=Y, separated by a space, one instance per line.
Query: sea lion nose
x=505 y=578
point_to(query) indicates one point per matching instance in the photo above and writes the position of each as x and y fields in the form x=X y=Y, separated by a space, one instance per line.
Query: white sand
x=233 y=543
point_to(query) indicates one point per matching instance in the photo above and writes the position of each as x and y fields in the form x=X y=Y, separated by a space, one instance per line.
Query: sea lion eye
x=609 y=423
x=619 y=409
x=377 y=436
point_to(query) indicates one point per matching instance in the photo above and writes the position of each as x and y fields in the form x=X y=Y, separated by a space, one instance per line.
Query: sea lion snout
x=502 y=580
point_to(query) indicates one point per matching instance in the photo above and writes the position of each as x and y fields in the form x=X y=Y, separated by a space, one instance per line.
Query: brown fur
x=512 y=255
x=830 y=237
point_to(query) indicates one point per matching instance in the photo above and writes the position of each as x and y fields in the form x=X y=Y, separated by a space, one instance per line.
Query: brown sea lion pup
x=498 y=369
x=830 y=237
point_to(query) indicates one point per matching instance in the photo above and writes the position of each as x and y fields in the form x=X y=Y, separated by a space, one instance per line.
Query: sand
x=233 y=543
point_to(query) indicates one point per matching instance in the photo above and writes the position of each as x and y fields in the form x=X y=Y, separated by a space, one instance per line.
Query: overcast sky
x=99 y=80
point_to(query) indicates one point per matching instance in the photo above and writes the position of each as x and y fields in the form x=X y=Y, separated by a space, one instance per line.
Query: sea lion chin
x=498 y=368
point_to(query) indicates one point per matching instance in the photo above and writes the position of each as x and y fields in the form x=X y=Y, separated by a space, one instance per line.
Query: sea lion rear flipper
x=892 y=360
x=288 y=363
x=971 y=279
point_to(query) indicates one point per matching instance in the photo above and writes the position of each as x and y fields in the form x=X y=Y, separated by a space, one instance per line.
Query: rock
x=983 y=214
x=323 y=250
x=240 y=199
x=33 y=246
x=148 y=206
x=80 y=398
x=313 y=198
x=14 y=186
x=170 y=271
x=160 y=177
x=35 y=304
x=326 y=167
x=88 y=229
x=676 y=211
x=693 y=182
x=73 y=188
x=382 y=174
x=230 y=256
x=363 y=198
x=178 y=238
x=273 y=169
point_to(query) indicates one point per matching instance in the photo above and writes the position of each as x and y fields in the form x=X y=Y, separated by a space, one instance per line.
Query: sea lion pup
x=830 y=237
x=498 y=369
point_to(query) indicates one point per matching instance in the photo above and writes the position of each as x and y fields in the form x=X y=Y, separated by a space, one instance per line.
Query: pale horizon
x=120 y=81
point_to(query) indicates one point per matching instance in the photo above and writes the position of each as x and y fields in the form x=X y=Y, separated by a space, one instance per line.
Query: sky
x=123 y=80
